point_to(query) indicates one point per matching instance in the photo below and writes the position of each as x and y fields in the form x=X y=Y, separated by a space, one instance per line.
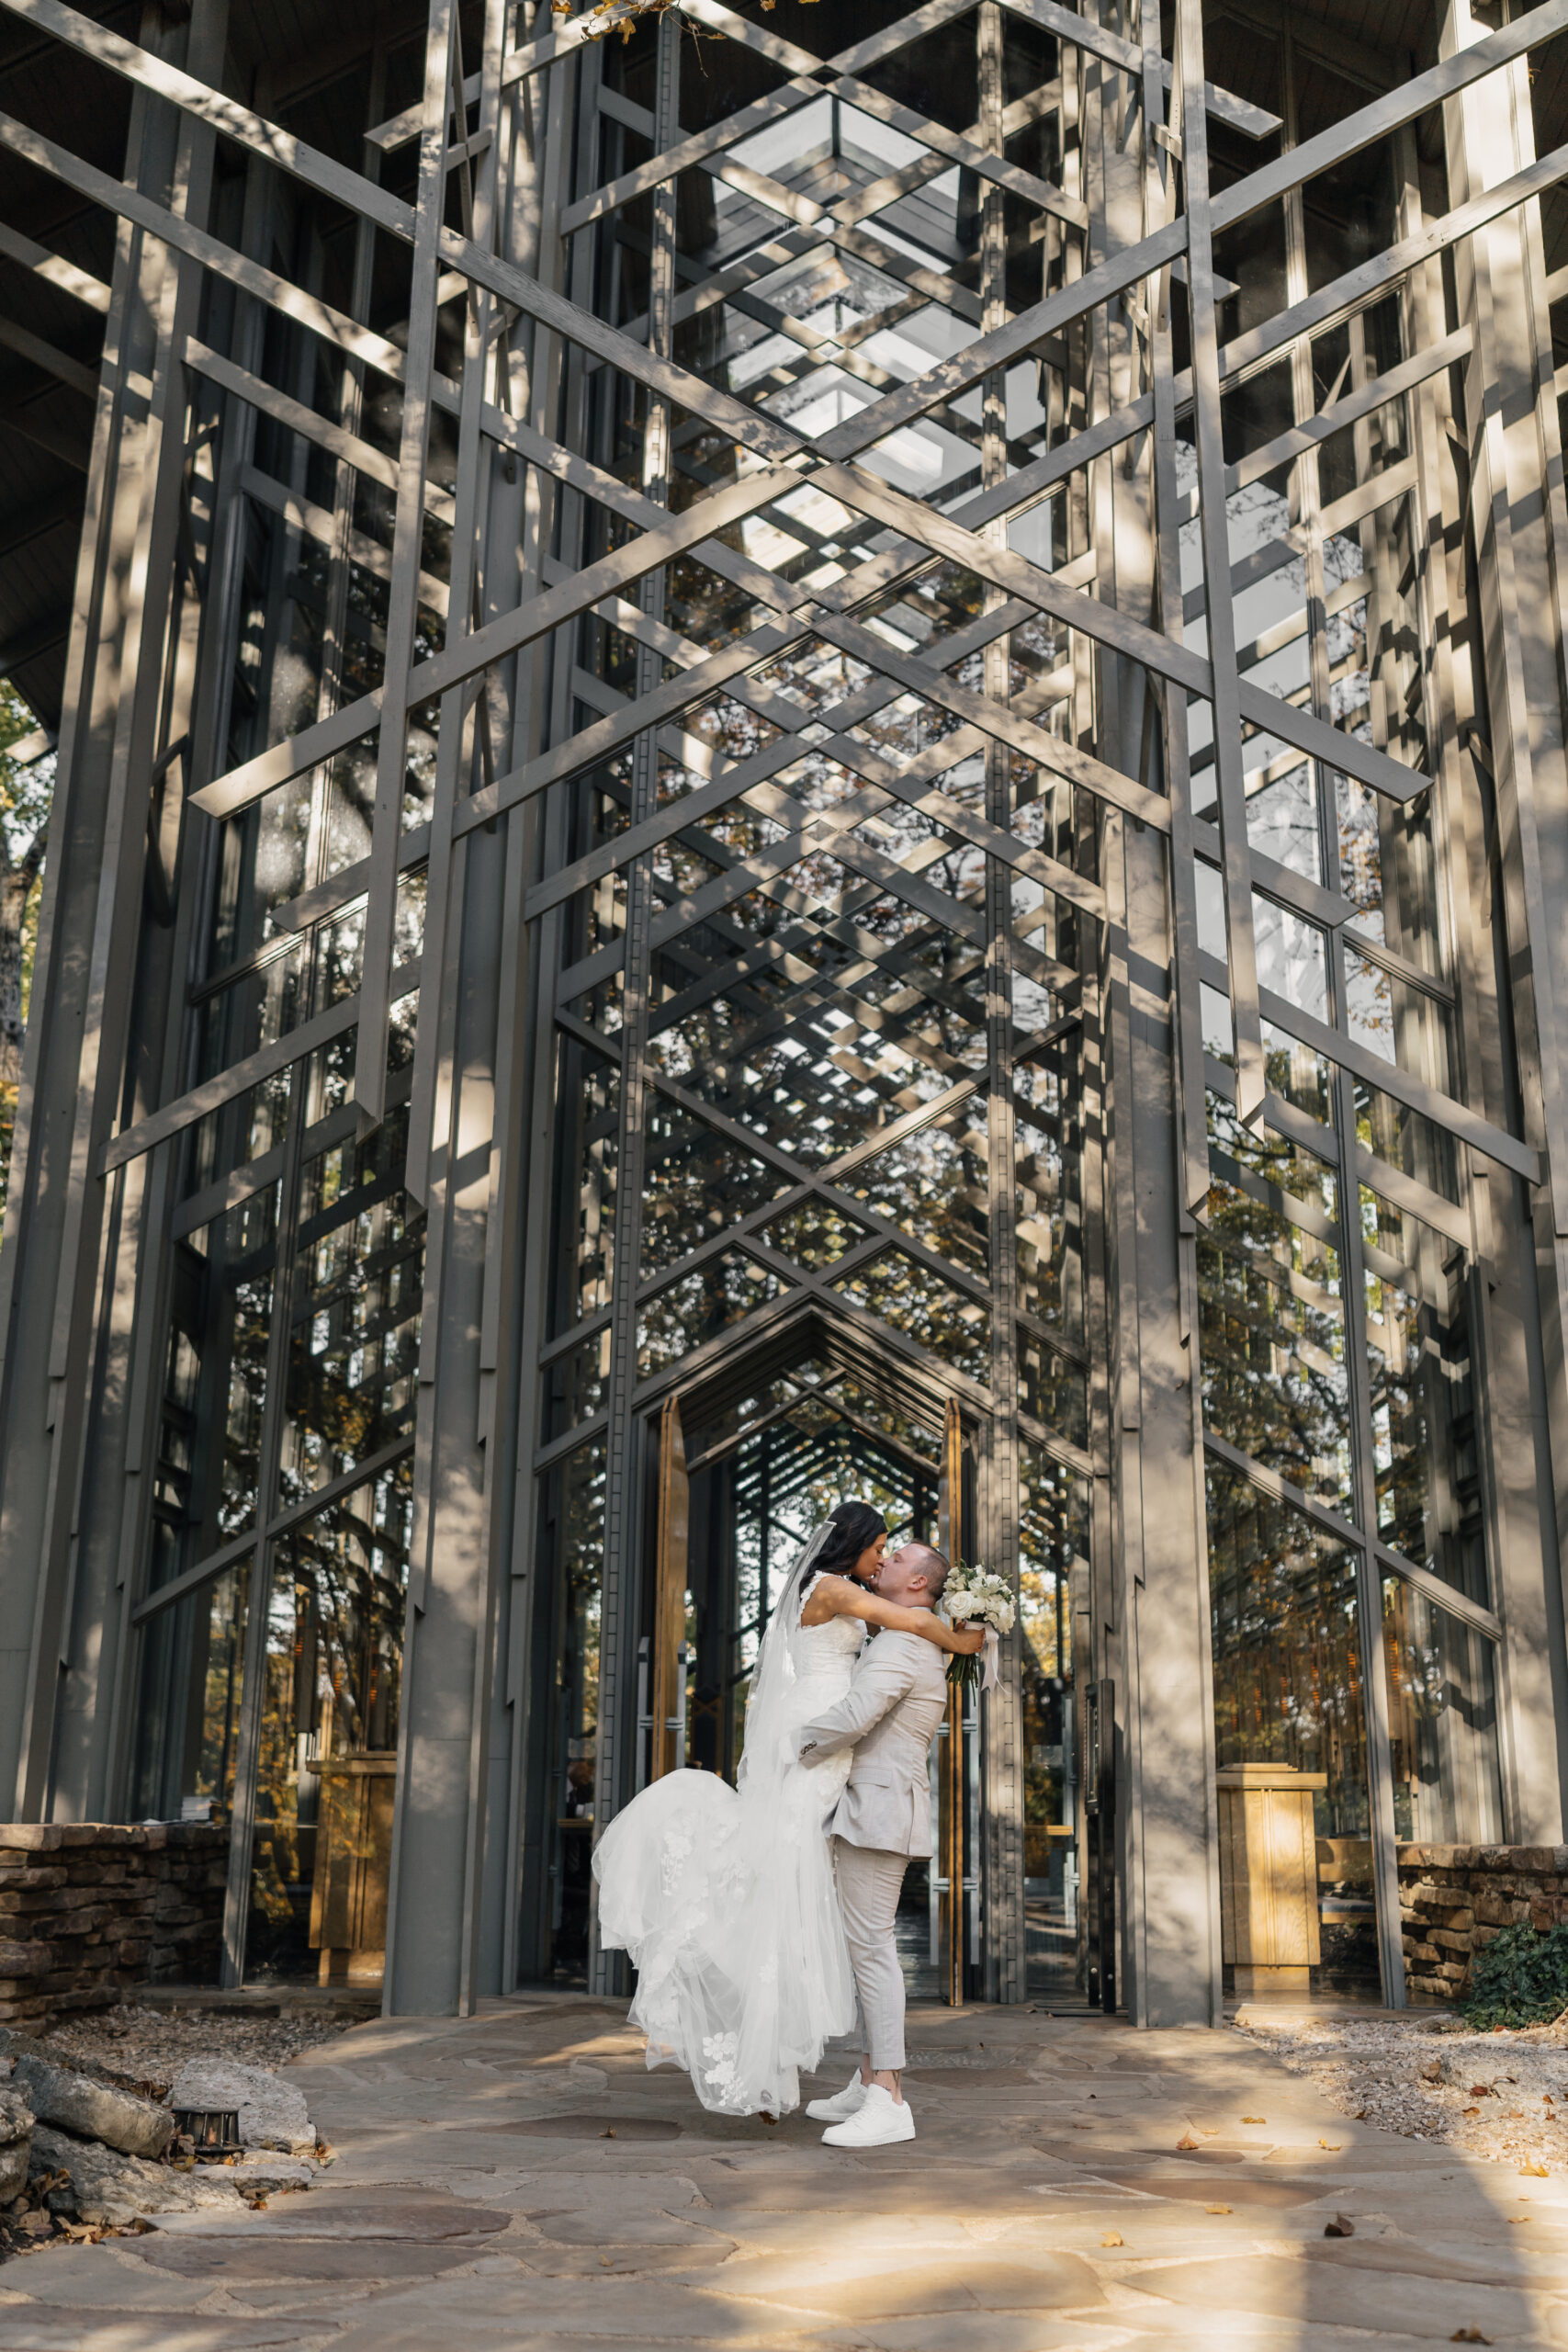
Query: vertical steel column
x=446 y=1820
x=543 y=142
x=1159 y=204
x=1502 y=1298
x=623 y=1499
x=1517 y=646
x=1001 y=1861
x=110 y=1489
x=84 y=983
x=402 y=602
x=1221 y=625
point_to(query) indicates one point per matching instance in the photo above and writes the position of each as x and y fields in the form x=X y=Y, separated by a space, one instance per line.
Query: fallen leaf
x=608 y=2132
x=1219 y=2209
x=1470 y=2111
x=1514 y=2219
x=1333 y=2146
x=1111 y=2237
x=1469 y=2336
x=1534 y=2172
x=1186 y=2140
x=1255 y=2118
x=1482 y=2090
x=1340 y=2227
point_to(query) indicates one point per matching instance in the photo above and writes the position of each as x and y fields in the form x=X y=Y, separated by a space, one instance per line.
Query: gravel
x=1502 y=2097
x=152 y=2045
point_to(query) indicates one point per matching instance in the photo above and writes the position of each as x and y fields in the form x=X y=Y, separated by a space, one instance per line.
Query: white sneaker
x=877 y=2122
x=843 y=2103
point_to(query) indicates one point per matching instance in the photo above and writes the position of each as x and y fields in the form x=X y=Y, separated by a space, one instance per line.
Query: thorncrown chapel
x=816 y=751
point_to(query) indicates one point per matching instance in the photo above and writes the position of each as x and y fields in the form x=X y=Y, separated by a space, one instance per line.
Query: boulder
x=94 y=2109
x=272 y=2112
x=271 y=2172
x=110 y=2190
x=16 y=2142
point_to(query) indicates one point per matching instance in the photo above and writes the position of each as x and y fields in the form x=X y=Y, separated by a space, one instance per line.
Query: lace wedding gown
x=725 y=1899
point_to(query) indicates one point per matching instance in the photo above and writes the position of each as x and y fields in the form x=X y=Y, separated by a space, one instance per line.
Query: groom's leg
x=869 y=1886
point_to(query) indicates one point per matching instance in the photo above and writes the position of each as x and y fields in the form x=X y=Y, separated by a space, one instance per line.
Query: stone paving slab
x=1313 y=2292
x=1047 y=2205
x=45 y=2328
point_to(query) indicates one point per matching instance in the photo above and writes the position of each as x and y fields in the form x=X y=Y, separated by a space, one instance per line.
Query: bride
x=724 y=1897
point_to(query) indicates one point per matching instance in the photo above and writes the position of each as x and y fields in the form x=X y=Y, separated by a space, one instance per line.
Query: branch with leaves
x=602 y=16
x=27 y=788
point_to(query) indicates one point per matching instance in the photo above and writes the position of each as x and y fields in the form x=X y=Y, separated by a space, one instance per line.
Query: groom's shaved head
x=915 y=1573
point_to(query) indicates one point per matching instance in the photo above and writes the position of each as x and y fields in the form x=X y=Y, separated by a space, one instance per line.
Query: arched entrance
x=741 y=1453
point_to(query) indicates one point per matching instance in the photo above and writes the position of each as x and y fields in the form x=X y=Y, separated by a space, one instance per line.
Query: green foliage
x=26 y=787
x=1519 y=1978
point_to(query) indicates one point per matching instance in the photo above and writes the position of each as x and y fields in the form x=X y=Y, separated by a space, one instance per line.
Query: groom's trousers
x=870 y=1882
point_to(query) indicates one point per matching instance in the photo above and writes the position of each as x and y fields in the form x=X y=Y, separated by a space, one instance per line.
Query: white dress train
x=726 y=1900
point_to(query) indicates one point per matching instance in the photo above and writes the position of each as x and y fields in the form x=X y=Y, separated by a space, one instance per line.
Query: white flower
x=976 y=1594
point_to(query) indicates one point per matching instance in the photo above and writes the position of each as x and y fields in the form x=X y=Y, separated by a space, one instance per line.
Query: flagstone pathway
x=519 y=2182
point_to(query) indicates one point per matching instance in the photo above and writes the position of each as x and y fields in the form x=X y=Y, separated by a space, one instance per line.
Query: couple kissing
x=761 y=1918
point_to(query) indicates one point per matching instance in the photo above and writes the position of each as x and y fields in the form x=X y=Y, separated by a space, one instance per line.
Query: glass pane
x=943 y=1319
x=1288 y=1692
x=1422 y=1400
x=701 y=1304
x=328 y=1761
x=187 y=1706
x=1270 y=1312
x=1052 y=1535
x=934 y=1185
x=215 y=1377
x=1442 y=1723
x=353 y=1343
x=571 y=1540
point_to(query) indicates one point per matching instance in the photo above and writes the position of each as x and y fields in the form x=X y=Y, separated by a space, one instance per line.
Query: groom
x=889 y=1717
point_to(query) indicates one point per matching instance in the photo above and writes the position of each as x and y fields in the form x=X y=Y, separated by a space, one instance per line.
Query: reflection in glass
x=1052 y=1535
x=943 y=1318
x=1442 y=1708
x=700 y=1306
x=215 y=1380
x=1287 y=1689
x=353 y=1344
x=1423 y=1401
x=934 y=1185
x=187 y=1711
x=333 y=1678
x=571 y=1537
x=1271 y=1310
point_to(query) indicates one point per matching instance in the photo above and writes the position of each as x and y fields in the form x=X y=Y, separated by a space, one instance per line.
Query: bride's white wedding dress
x=725 y=1899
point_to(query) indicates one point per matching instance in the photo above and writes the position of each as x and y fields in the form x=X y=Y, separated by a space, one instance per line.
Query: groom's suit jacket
x=888 y=1716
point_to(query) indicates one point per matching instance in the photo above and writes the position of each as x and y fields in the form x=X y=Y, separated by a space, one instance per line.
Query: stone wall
x=1453 y=1899
x=89 y=1908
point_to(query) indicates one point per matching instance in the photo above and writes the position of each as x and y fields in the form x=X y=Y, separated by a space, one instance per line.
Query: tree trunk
x=16 y=887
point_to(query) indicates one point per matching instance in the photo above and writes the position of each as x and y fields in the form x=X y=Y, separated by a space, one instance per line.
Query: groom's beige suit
x=889 y=1717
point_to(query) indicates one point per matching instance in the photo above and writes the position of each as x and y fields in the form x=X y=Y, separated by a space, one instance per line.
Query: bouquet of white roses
x=973 y=1596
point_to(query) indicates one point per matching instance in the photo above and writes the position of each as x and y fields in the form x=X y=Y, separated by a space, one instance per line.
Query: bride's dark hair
x=852 y=1529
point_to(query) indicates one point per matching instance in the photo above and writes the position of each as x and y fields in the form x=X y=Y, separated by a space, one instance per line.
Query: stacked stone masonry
x=88 y=1909
x=1454 y=1899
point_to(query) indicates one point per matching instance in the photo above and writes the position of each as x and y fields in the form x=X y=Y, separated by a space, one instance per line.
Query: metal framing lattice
x=638 y=696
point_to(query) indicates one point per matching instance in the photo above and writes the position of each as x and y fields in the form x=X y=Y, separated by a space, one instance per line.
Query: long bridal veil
x=723 y=1898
